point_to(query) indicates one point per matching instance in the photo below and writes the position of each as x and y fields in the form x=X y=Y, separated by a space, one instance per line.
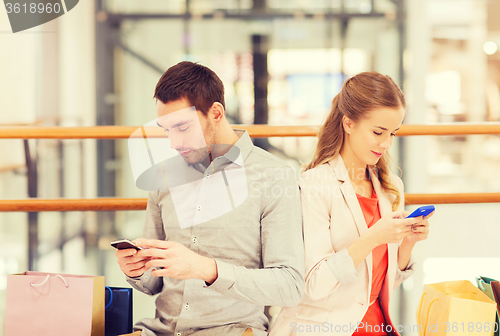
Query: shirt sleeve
x=326 y=268
x=280 y=281
x=153 y=229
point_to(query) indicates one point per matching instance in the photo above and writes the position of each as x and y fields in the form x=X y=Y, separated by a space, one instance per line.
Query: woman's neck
x=356 y=170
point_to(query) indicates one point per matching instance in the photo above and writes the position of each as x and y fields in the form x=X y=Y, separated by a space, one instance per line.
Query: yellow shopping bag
x=455 y=308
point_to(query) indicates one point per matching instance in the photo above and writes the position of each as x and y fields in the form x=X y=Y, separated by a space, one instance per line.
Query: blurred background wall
x=282 y=62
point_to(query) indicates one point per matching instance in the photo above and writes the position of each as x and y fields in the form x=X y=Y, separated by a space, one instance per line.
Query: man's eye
x=183 y=129
x=377 y=133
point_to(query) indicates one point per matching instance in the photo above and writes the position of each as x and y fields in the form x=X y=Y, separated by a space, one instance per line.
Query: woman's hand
x=419 y=231
x=392 y=228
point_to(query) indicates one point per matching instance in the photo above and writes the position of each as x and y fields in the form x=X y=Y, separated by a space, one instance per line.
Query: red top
x=374 y=317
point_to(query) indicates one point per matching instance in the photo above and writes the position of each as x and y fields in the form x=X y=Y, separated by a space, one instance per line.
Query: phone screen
x=125 y=244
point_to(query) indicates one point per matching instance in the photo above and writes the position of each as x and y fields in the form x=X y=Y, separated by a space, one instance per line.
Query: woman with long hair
x=358 y=242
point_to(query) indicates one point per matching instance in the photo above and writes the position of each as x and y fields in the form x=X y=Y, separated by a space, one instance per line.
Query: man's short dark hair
x=194 y=82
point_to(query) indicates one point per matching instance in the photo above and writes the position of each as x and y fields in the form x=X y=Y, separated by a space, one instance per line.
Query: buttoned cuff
x=142 y=282
x=225 y=277
x=342 y=266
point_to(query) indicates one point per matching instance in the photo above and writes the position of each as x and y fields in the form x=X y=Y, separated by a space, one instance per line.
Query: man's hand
x=130 y=263
x=176 y=260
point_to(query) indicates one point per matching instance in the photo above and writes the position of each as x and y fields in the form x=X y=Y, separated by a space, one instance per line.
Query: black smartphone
x=124 y=244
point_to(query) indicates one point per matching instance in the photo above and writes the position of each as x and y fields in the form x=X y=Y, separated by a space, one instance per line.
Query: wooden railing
x=124 y=132
x=255 y=131
x=120 y=204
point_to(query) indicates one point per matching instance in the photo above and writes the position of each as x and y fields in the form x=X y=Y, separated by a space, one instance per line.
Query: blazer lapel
x=385 y=207
x=352 y=202
x=349 y=194
x=384 y=204
x=354 y=207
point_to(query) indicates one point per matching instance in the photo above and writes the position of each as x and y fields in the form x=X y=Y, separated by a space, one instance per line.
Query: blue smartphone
x=422 y=211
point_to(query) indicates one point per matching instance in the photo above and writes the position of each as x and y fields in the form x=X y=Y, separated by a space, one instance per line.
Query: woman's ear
x=347 y=123
x=216 y=112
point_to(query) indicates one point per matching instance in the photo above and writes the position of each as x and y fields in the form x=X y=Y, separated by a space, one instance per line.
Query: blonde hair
x=359 y=95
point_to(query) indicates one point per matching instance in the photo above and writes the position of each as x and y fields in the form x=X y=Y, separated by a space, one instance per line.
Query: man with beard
x=223 y=231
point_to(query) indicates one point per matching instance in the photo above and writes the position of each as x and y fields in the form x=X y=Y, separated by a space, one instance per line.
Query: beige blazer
x=337 y=294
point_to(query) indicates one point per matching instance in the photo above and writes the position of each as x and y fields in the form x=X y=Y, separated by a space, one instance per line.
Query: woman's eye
x=377 y=133
x=183 y=129
x=393 y=134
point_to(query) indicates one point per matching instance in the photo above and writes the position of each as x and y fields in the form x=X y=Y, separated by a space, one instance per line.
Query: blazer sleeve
x=326 y=269
x=402 y=275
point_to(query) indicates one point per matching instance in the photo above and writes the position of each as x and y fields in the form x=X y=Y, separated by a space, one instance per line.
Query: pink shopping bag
x=44 y=304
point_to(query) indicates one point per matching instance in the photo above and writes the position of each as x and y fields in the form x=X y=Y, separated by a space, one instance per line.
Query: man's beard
x=203 y=155
x=199 y=155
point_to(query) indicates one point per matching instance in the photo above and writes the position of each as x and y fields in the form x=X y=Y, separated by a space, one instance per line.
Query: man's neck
x=223 y=144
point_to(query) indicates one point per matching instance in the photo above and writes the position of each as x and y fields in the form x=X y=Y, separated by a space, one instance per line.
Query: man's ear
x=216 y=112
x=347 y=123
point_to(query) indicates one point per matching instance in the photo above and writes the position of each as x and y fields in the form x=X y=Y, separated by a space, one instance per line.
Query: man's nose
x=175 y=142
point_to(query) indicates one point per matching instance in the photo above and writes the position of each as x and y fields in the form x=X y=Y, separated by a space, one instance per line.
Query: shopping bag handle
x=420 y=309
x=110 y=297
x=480 y=284
x=47 y=279
x=428 y=311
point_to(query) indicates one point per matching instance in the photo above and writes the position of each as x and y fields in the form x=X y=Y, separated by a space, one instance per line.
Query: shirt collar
x=238 y=152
